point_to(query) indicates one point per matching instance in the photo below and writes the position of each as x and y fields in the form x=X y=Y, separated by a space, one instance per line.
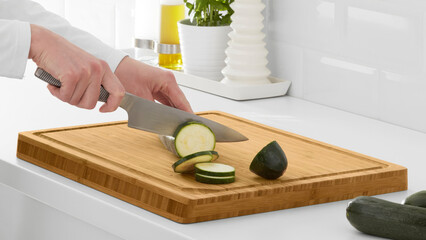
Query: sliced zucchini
x=214 y=179
x=186 y=164
x=191 y=137
x=270 y=162
x=214 y=169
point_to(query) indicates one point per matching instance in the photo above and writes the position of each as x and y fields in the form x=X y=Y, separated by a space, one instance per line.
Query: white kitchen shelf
x=277 y=87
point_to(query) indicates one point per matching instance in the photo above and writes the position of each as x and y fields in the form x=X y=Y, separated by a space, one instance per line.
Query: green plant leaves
x=210 y=12
x=190 y=7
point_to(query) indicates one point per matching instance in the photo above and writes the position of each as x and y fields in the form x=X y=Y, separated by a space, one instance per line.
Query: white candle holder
x=246 y=53
x=246 y=75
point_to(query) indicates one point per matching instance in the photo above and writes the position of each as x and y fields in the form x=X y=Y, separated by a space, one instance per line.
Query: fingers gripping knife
x=155 y=117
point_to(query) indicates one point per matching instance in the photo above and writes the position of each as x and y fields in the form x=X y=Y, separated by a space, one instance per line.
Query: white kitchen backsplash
x=362 y=56
x=112 y=21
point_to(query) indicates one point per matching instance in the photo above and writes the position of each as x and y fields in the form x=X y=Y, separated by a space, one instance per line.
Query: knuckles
x=169 y=77
x=70 y=78
x=96 y=67
x=74 y=101
x=119 y=92
x=90 y=73
x=89 y=105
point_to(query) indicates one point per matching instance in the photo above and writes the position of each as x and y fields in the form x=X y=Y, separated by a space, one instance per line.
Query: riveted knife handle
x=45 y=76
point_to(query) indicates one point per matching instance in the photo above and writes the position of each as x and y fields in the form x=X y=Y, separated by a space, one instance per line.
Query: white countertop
x=27 y=105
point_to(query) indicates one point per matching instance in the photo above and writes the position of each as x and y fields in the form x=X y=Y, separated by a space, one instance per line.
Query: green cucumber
x=382 y=218
x=214 y=179
x=186 y=164
x=417 y=199
x=270 y=162
x=191 y=137
x=214 y=169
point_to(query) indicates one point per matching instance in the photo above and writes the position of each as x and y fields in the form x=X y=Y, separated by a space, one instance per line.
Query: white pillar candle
x=246 y=53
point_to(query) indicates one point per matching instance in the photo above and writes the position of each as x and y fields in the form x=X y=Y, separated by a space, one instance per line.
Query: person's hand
x=151 y=83
x=80 y=73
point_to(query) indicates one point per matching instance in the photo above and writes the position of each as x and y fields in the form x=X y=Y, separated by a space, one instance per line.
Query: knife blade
x=155 y=117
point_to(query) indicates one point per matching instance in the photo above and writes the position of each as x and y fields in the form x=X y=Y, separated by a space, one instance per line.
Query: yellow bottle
x=171 y=11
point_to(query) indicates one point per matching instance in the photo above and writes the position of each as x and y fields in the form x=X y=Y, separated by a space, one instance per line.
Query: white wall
x=363 y=56
x=112 y=21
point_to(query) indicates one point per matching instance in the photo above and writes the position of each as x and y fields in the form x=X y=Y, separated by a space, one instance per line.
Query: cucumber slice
x=270 y=162
x=191 y=137
x=214 y=179
x=214 y=169
x=186 y=164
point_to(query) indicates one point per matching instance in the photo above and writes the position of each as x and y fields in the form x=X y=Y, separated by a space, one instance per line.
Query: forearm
x=34 y=13
x=80 y=73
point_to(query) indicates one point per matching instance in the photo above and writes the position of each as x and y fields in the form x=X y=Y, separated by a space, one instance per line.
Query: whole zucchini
x=382 y=218
x=417 y=199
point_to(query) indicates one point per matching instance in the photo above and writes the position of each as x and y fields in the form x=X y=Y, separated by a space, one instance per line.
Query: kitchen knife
x=155 y=117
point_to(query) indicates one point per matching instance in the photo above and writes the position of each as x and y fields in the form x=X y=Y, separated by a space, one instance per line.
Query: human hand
x=151 y=83
x=81 y=74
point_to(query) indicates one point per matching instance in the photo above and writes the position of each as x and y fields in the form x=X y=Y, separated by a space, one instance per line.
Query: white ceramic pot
x=203 y=49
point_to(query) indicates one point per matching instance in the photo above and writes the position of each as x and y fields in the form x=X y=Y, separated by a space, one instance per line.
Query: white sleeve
x=15 y=43
x=34 y=13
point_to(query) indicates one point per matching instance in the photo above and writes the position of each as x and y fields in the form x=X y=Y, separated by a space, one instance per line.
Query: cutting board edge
x=73 y=156
x=217 y=210
x=191 y=206
x=224 y=209
x=382 y=174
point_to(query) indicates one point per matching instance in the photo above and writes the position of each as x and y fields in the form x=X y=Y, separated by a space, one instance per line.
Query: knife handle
x=45 y=76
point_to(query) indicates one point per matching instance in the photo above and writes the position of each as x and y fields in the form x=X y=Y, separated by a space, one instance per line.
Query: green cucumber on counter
x=190 y=137
x=187 y=164
x=386 y=219
x=270 y=162
x=417 y=199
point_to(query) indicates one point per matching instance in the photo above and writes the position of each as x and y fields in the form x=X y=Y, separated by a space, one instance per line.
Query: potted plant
x=204 y=37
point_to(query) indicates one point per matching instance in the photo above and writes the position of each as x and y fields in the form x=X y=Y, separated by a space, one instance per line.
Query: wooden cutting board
x=133 y=165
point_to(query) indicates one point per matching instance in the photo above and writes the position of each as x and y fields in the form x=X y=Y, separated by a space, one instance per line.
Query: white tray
x=278 y=87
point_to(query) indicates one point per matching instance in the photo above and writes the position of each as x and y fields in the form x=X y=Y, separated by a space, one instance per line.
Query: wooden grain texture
x=132 y=165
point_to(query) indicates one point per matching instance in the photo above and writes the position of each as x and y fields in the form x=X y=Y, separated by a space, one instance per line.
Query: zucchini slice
x=187 y=164
x=386 y=219
x=270 y=162
x=214 y=169
x=191 y=137
x=214 y=179
x=416 y=199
